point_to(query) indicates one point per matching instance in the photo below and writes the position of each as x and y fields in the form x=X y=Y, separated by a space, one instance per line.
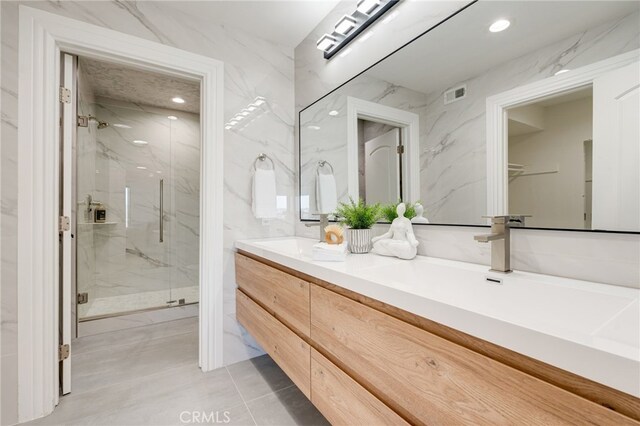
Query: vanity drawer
x=430 y=380
x=288 y=350
x=286 y=296
x=342 y=400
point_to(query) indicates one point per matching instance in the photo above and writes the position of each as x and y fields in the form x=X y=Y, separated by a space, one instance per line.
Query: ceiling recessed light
x=141 y=168
x=499 y=25
x=172 y=117
x=333 y=113
x=178 y=100
x=326 y=42
x=139 y=142
x=121 y=126
x=367 y=6
x=562 y=71
x=345 y=24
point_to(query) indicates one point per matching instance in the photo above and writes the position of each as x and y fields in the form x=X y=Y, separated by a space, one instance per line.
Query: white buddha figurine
x=419 y=212
x=399 y=241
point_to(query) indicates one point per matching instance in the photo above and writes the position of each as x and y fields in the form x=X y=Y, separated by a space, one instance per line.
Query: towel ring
x=263 y=157
x=323 y=163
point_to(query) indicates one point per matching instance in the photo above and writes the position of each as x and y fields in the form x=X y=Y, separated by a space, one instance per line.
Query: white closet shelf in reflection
x=98 y=223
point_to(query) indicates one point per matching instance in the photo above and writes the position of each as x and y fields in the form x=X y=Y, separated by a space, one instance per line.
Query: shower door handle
x=161 y=210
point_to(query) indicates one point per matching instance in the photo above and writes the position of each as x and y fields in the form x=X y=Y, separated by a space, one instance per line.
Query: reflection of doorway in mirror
x=380 y=167
x=547 y=160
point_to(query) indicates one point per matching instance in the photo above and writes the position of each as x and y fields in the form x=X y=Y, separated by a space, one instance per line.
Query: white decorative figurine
x=399 y=240
x=419 y=211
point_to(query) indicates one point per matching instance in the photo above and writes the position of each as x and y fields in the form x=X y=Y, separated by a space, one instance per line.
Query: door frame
x=497 y=119
x=409 y=124
x=42 y=36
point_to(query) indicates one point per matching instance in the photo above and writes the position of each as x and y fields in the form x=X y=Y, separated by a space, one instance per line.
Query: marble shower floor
x=149 y=376
x=136 y=301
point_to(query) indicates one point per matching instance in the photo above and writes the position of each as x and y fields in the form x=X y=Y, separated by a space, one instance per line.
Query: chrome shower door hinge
x=83 y=121
x=400 y=149
x=65 y=95
x=83 y=298
x=63 y=352
x=64 y=224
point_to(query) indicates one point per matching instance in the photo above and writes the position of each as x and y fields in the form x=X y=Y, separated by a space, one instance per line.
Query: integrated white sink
x=588 y=328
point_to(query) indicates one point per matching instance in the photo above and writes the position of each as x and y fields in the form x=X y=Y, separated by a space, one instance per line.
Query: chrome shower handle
x=161 y=210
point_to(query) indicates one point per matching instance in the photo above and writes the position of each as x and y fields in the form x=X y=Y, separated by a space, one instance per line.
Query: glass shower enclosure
x=137 y=221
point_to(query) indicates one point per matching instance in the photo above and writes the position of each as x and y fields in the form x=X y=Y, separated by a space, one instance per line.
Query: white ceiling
x=119 y=82
x=463 y=47
x=286 y=22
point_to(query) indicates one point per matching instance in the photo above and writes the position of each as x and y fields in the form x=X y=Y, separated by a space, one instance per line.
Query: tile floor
x=149 y=376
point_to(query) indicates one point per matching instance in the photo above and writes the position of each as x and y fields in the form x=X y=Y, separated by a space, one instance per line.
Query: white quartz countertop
x=588 y=328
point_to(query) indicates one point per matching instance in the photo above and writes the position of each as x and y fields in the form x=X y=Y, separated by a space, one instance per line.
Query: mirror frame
x=496 y=147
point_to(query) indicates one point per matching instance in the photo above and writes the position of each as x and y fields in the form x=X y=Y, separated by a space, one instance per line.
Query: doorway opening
x=130 y=186
x=380 y=155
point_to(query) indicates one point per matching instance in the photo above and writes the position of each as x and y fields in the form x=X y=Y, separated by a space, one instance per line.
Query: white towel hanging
x=264 y=194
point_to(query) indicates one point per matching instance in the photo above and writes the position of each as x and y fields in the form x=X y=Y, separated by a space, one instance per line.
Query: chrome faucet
x=500 y=238
x=324 y=222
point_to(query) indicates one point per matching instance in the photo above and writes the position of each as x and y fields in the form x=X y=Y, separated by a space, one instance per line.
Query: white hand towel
x=326 y=193
x=264 y=194
x=329 y=252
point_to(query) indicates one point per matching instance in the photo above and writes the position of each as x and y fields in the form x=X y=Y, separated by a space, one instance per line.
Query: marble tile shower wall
x=127 y=257
x=453 y=151
x=253 y=67
x=608 y=258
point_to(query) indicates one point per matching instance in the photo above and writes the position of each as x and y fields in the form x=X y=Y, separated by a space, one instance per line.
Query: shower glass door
x=141 y=169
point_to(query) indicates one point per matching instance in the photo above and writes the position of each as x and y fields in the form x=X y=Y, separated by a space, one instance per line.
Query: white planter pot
x=359 y=240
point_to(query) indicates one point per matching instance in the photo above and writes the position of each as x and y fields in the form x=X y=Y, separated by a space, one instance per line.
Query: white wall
x=253 y=67
x=553 y=200
x=608 y=258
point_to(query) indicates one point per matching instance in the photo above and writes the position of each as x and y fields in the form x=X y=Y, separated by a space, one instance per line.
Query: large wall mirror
x=540 y=120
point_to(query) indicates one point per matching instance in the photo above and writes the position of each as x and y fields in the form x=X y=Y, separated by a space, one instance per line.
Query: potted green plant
x=359 y=218
x=389 y=213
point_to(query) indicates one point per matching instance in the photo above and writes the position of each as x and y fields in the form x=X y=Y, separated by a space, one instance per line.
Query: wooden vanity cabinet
x=361 y=365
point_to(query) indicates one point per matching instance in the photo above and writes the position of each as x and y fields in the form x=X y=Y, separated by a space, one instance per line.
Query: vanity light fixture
x=333 y=113
x=228 y=127
x=178 y=100
x=140 y=142
x=259 y=101
x=562 y=71
x=251 y=108
x=250 y=113
x=499 y=25
x=345 y=24
x=172 y=117
x=367 y=6
x=326 y=42
x=244 y=112
x=350 y=26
